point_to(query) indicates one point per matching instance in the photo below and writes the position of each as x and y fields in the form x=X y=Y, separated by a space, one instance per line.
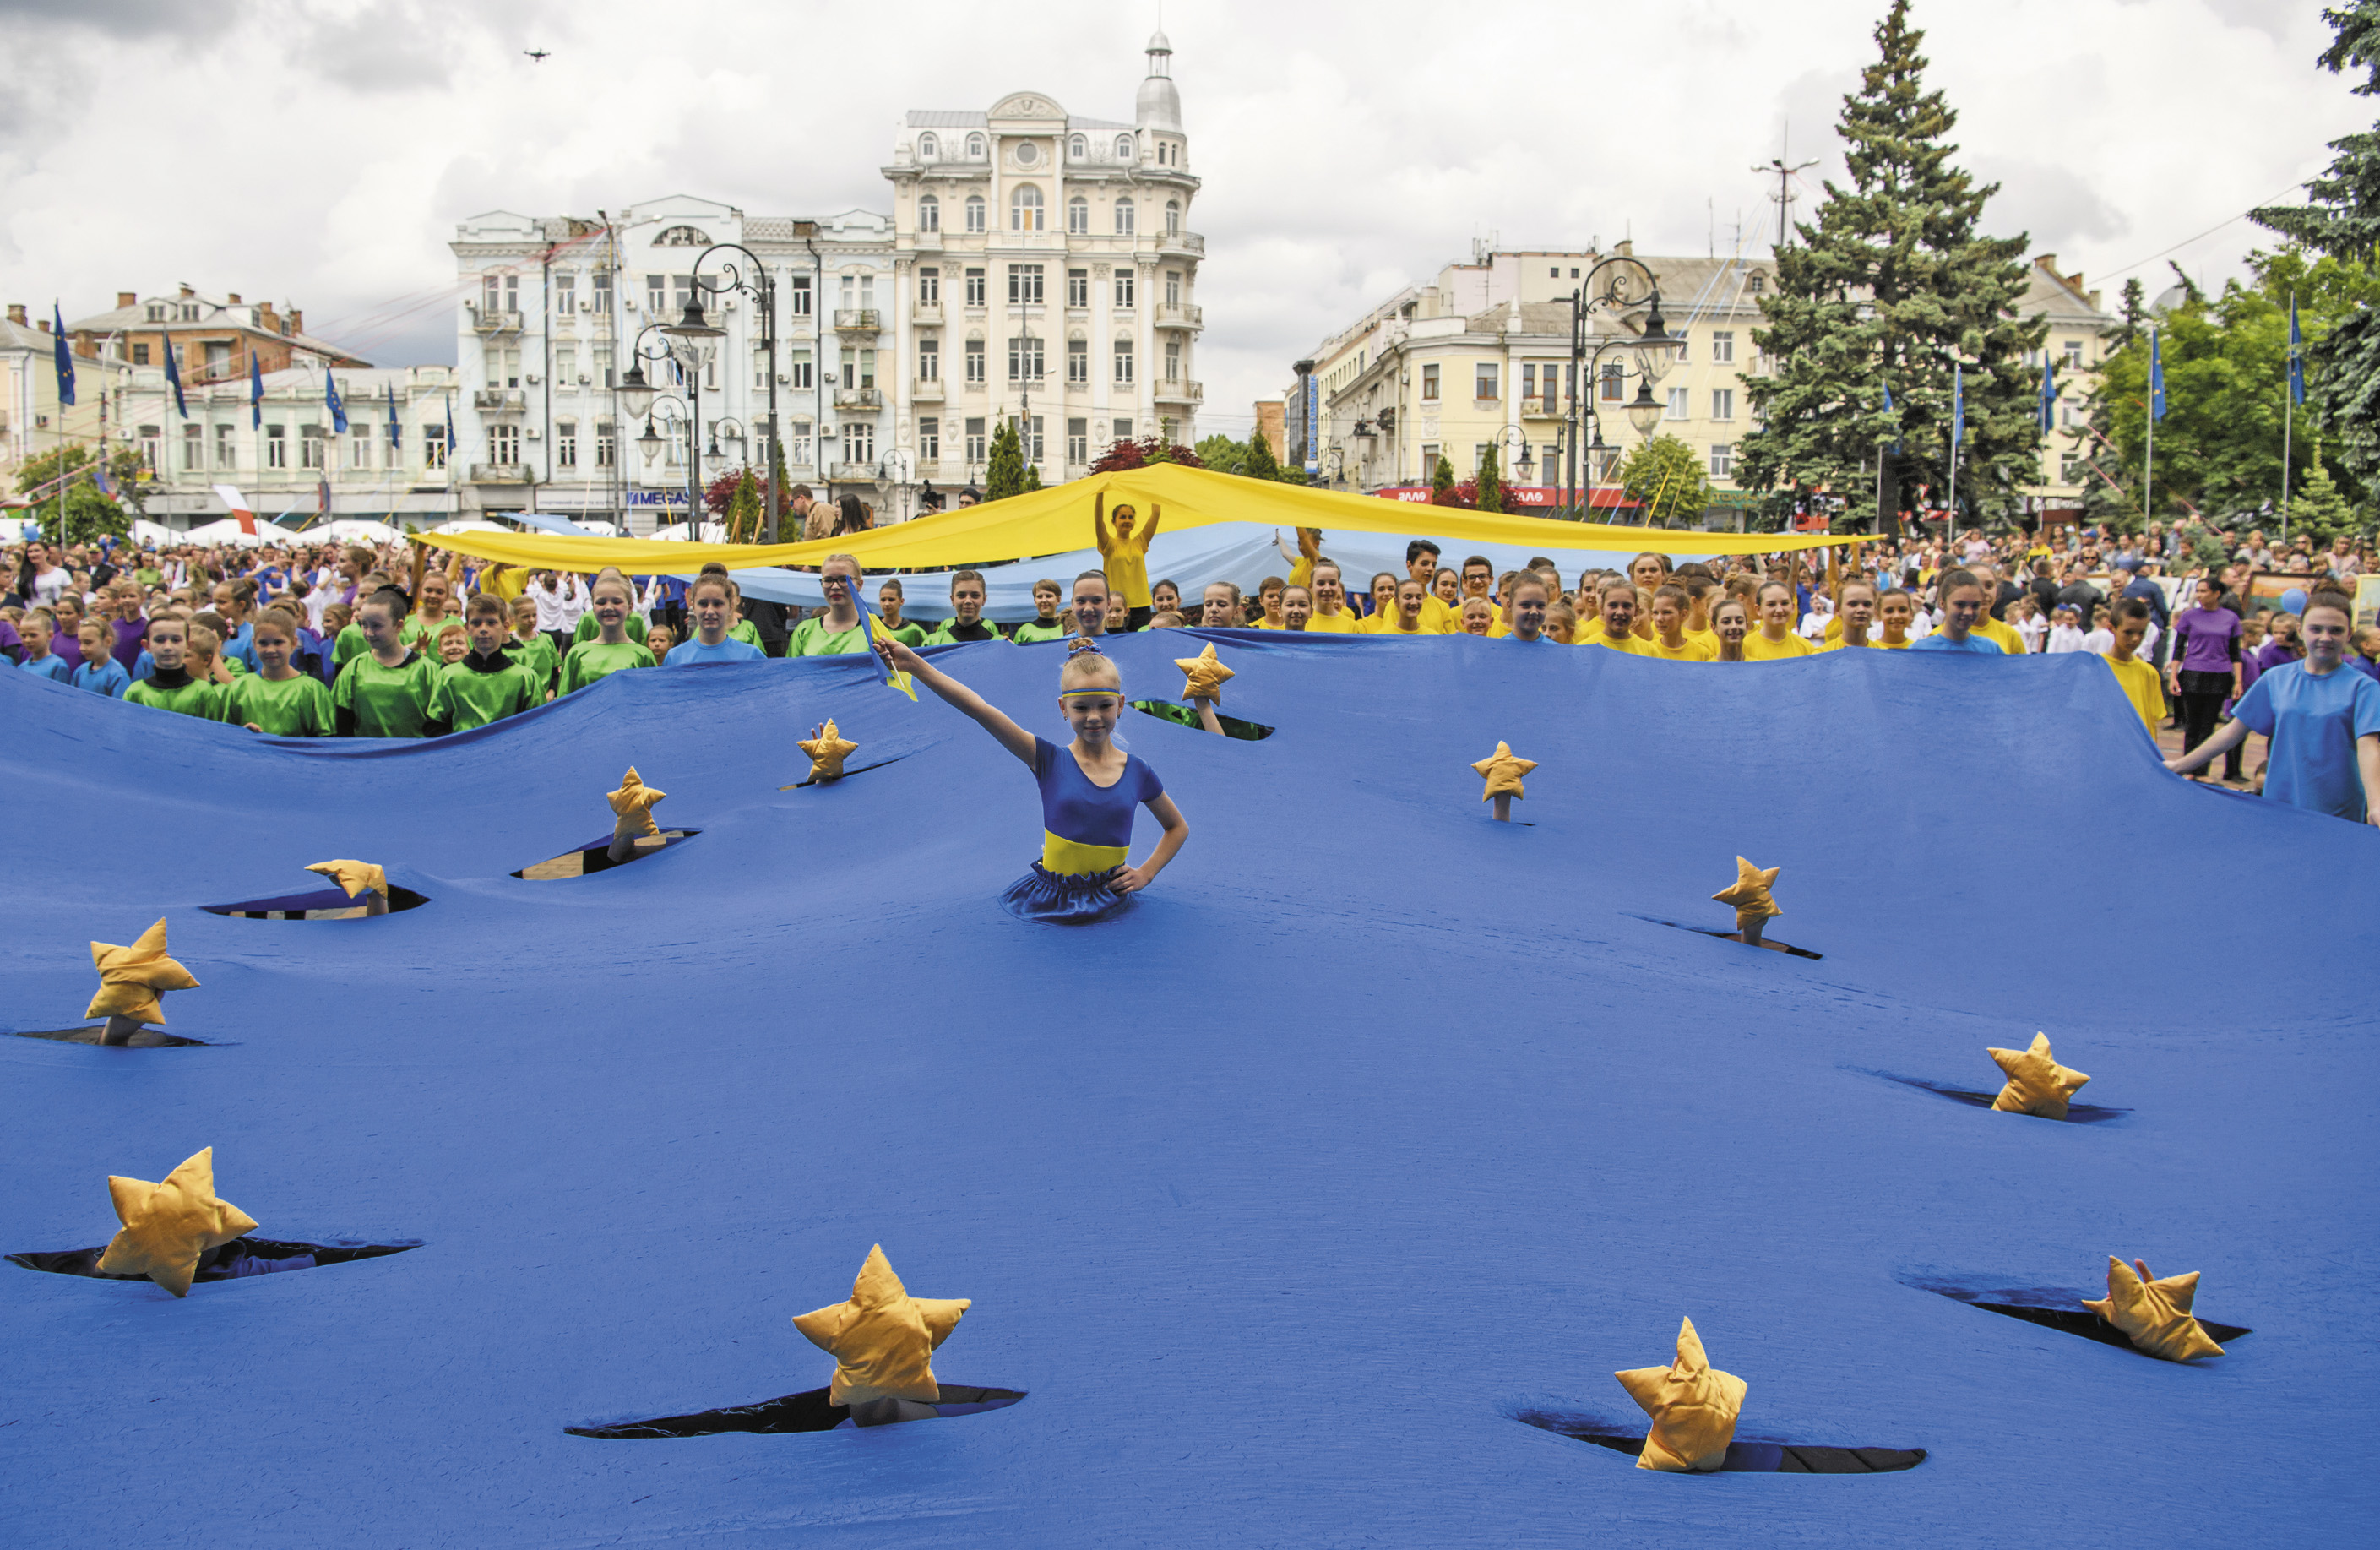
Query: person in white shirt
x=2024 y=618
x=2065 y=635
x=1814 y=622
x=2102 y=636
x=559 y=600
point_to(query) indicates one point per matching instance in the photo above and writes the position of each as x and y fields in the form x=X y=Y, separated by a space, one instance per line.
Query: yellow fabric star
x=130 y=978
x=828 y=748
x=2154 y=1315
x=884 y=1339
x=1205 y=674
x=1504 y=770
x=1693 y=1407
x=1749 y=894
x=169 y=1226
x=354 y=876
x=632 y=805
x=2036 y=1082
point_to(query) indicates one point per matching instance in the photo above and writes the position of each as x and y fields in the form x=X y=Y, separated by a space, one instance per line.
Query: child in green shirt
x=1048 y=625
x=531 y=649
x=611 y=652
x=170 y=686
x=386 y=692
x=486 y=685
x=840 y=628
x=888 y=598
x=276 y=698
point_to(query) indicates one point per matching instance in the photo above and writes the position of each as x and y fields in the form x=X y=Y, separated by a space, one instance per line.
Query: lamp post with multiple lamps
x=1522 y=463
x=636 y=396
x=651 y=443
x=1629 y=284
x=896 y=471
x=750 y=278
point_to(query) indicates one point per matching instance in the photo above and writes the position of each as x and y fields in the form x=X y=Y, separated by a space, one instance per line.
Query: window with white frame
x=2070 y=467
x=602 y=300
x=974 y=148
x=760 y=364
x=930 y=147
x=1079 y=216
x=859 y=442
x=797 y=295
x=1722 y=460
x=309 y=445
x=194 y=453
x=929 y=288
x=359 y=445
x=1680 y=404
x=565 y=365
x=566 y=294
x=929 y=359
x=503 y=443
x=1124 y=148
x=226 y=451
x=1025 y=208
x=565 y=443
x=975 y=362
x=433 y=447
x=1124 y=362
x=1722 y=347
x=978 y=288
x=607 y=444
x=1078 y=441
x=1029 y=432
x=798 y=445
x=1078 y=149
x=1124 y=287
x=1025 y=285
x=1482 y=380
x=930 y=214
x=1078 y=287
x=929 y=440
x=798 y=367
x=2072 y=351
x=1124 y=214
x=975 y=212
x=603 y=365
x=1722 y=403
x=1173 y=360
x=1174 y=287
x=1078 y=363
x=276 y=447
x=1428 y=381
x=1024 y=359
x=974 y=441
x=1173 y=217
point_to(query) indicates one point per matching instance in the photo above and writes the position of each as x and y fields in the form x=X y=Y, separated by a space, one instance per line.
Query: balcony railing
x=1182 y=392
x=852 y=474
x=858 y=319
x=499 y=398
x=1175 y=314
x=1541 y=409
x=499 y=473
x=858 y=398
x=925 y=392
x=486 y=321
x=1181 y=242
x=928 y=314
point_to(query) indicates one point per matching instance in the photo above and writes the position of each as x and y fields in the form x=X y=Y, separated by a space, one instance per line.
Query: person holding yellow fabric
x=1617 y=627
x=1123 y=553
x=1671 y=642
x=1091 y=789
x=1774 y=640
x=1301 y=563
x=1332 y=615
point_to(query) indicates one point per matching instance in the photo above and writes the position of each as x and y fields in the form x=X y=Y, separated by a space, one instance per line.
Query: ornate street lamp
x=1617 y=284
x=757 y=282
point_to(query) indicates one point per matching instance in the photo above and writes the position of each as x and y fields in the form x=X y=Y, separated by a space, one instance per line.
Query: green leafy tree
x=2343 y=223
x=1223 y=454
x=1667 y=477
x=744 y=511
x=1258 y=462
x=1489 y=481
x=1441 y=480
x=2318 y=512
x=1032 y=478
x=1889 y=288
x=79 y=513
x=1004 y=475
x=777 y=467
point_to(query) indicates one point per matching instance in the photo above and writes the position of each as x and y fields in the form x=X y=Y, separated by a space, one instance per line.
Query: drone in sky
x=540 y=56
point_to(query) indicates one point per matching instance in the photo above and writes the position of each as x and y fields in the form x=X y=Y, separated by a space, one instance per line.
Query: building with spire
x=1044 y=272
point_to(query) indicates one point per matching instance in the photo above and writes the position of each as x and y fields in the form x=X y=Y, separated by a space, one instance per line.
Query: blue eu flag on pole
x=450 y=427
x=65 y=356
x=2297 y=356
x=395 y=433
x=1959 y=405
x=2048 y=394
x=255 y=391
x=2157 y=379
x=331 y=401
x=1888 y=409
x=173 y=379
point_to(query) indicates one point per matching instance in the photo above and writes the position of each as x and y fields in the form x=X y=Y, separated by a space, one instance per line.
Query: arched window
x=1123 y=217
x=974 y=211
x=1173 y=217
x=1124 y=148
x=1079 y=216
x=974 y=148
x=929 y=148
x=1024 y=208
x=1078 y=148
x=930 y=214
x=1759 y=282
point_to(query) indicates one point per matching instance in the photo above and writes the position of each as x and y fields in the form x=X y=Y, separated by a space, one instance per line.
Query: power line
x=2210 y=231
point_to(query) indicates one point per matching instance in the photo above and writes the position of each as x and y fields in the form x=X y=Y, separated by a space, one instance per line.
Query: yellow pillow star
x=1504 y=770
x=828 y=748
x=2154 y=1315
x=130 y=978
x=632 y=806
x=1205 y=674
x=884 y=1339
x=169 y=1226
x=1693 y=1407
x=2036 y=1082
x=1750 y=896
x=354 y=876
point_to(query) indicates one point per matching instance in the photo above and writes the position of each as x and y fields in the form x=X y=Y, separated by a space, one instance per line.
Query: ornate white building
x=1045 y=272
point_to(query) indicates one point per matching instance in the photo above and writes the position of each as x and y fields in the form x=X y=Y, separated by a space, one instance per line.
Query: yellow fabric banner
x=1054 y=520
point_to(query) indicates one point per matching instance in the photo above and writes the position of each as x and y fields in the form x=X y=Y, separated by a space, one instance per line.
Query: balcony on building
x=499 y=473
x=858 y=319
x=499 y=398
x=1181 y=242
x=925 y=392
x=1175 y=314
x=926 y=314
x=1541 y=409
x=858 y=398
x=1181 y=392
x=852 y=474
x=486 y=321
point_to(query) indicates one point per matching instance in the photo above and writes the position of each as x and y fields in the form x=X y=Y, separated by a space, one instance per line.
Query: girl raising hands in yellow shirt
x=1124 y=552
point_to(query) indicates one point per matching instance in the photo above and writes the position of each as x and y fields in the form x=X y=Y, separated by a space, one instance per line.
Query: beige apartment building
x=1480 y=356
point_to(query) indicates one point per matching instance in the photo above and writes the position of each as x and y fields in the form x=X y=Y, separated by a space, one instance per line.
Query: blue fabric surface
x=1372 y=1121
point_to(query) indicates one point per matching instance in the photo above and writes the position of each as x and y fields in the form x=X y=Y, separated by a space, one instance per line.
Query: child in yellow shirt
x=2138 y=680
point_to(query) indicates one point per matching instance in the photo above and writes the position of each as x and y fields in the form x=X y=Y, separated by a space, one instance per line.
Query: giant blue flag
x=2296 y=357
x=173 y=379
x=255 y=391
x=65 y=356
x=2157 y=379
x=2048 y=394
x=331 y=401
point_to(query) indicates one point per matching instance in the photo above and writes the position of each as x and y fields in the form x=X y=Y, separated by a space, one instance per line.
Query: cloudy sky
x=322 y=150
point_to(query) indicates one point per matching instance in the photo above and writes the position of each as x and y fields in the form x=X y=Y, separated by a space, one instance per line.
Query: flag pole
x=2289 y=404
x=2148 y=472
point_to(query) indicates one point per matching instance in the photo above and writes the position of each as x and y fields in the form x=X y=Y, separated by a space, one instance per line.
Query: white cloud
x=322 y=150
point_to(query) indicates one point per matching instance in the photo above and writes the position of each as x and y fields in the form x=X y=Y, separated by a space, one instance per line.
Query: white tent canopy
x=227 y=530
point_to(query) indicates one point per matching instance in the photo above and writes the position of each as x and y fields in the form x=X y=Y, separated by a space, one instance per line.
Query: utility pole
x=1784 y=172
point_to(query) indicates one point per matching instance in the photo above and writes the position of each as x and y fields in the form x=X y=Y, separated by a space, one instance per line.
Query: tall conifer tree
x=1890 y=286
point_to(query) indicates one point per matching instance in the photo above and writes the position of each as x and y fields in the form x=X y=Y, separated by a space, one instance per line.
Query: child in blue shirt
x=99 y=672
x=2323 y=719
x=38 y=631
x=1090 y=790
x=714 y=610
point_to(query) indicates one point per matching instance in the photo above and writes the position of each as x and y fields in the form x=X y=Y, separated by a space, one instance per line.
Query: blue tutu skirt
x=1064 y=900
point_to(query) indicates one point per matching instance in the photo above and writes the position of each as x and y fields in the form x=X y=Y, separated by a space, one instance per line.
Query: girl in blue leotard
x=1089 y=790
